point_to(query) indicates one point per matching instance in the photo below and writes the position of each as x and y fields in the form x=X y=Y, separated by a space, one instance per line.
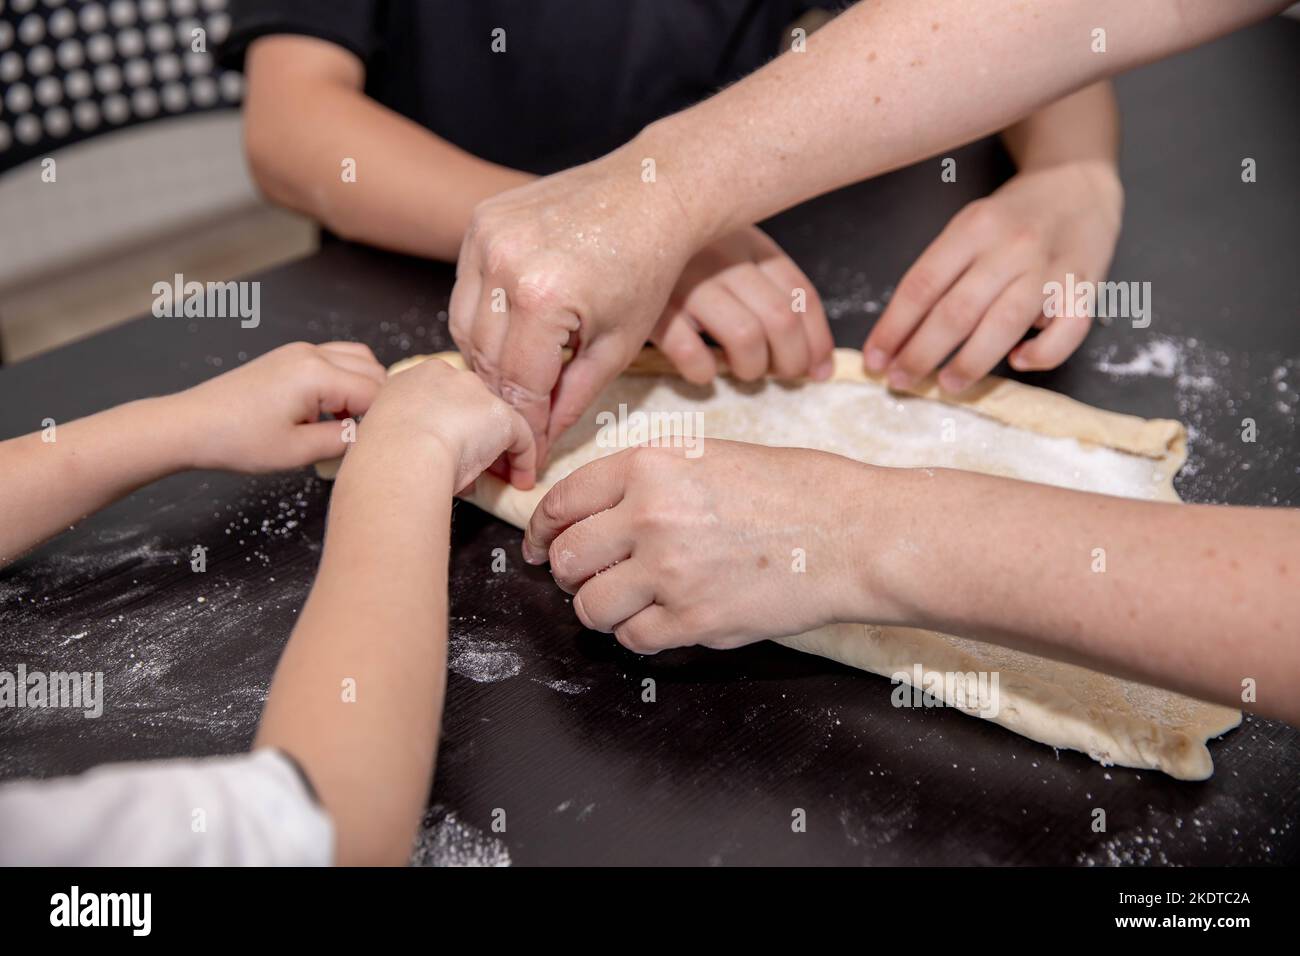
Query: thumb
x=581 y=381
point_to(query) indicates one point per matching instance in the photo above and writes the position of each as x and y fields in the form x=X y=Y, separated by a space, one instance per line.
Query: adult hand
x=585 y=259
x=979 y=285
x=732 y=546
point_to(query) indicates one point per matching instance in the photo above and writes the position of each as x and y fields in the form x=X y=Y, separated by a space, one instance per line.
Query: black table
x=544 y=720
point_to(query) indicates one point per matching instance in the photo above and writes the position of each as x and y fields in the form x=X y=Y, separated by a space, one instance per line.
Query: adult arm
x=665 y=550
x=887 y=83
x=588 y=257
x=306 y=112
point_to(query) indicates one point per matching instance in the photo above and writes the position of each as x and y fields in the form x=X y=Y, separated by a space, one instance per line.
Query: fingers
x=317 y=441
x=650 y=631
x=957 y=312
x=1061 y=336
x=788 y=277
x=580 y=382
x=591 y=489
x=366 y=365
x=918 y=292
x=486 y=335
x=464 y=298
x=611 y=597
x=786 y=343
x=1001 y=328
x=349 y=348
x=526 y=367
x=677 y=338
x=588 y=548
x=733 y=326
x=342 y=391
x=521 y=452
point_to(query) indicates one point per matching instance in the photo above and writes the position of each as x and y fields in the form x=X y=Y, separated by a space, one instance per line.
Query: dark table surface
x=544 y=720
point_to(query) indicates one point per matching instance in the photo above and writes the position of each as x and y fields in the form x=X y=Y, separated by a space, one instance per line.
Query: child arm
x=357 y=698
x=262 y=416
x=306 y=112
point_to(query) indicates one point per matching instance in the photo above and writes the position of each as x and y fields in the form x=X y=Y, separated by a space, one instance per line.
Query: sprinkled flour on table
x=1213 y=403
x=485 y=662
x=446 y=840
x=1157 y=357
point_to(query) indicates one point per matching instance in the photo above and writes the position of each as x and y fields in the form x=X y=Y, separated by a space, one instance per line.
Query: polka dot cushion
x=70 y=69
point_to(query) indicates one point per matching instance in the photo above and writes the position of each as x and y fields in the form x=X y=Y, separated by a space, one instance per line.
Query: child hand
x=740 y=290
x=981 y=281
x=265 y=415
x=433 y=403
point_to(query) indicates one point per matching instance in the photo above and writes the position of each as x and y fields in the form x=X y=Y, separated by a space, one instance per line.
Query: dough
x=1003 y=428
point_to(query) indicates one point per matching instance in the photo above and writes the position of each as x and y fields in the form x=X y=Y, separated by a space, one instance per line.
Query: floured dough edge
x=1042 y=711
x=1001 y=399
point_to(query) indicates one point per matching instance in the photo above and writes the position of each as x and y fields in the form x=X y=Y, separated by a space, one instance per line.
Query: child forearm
x=57 y=476
x=357 y=698
x=1195 y=598
x=317 y=144
x=1081 y=127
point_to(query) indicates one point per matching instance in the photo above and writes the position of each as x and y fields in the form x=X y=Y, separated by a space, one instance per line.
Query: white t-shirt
x=251 y=809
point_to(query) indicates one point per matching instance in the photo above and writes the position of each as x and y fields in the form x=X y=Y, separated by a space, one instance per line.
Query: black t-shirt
x=576 y=79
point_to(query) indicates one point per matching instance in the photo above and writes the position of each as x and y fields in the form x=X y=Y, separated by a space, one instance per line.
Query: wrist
x=691 y=198
x=888 y=517
x=178 y=439
x=1103 y=177
x=423 y=453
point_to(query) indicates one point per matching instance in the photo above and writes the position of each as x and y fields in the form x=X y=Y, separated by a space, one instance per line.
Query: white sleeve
x=251 y=809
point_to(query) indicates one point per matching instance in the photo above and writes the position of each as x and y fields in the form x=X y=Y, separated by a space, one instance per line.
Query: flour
x=572 y=688
x=184 y=654
x=446 y=840
x=484 y=662
x=865 y=421
x=1216 y=392
x=860 y=299
x=1159 y=357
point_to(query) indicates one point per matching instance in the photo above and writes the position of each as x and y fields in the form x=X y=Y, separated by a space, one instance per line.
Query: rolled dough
x=1003 y=428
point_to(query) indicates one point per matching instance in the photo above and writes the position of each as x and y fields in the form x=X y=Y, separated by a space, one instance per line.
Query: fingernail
x=532 y=554
x=899 y=379
x=823 y=370
x=951 y=383
x=876 y=360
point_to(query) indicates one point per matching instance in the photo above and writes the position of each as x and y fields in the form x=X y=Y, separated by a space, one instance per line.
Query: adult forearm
x=1195 y=598
x=367 y=173
x=91 y=462
x=357 y=698
x=893 y=81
